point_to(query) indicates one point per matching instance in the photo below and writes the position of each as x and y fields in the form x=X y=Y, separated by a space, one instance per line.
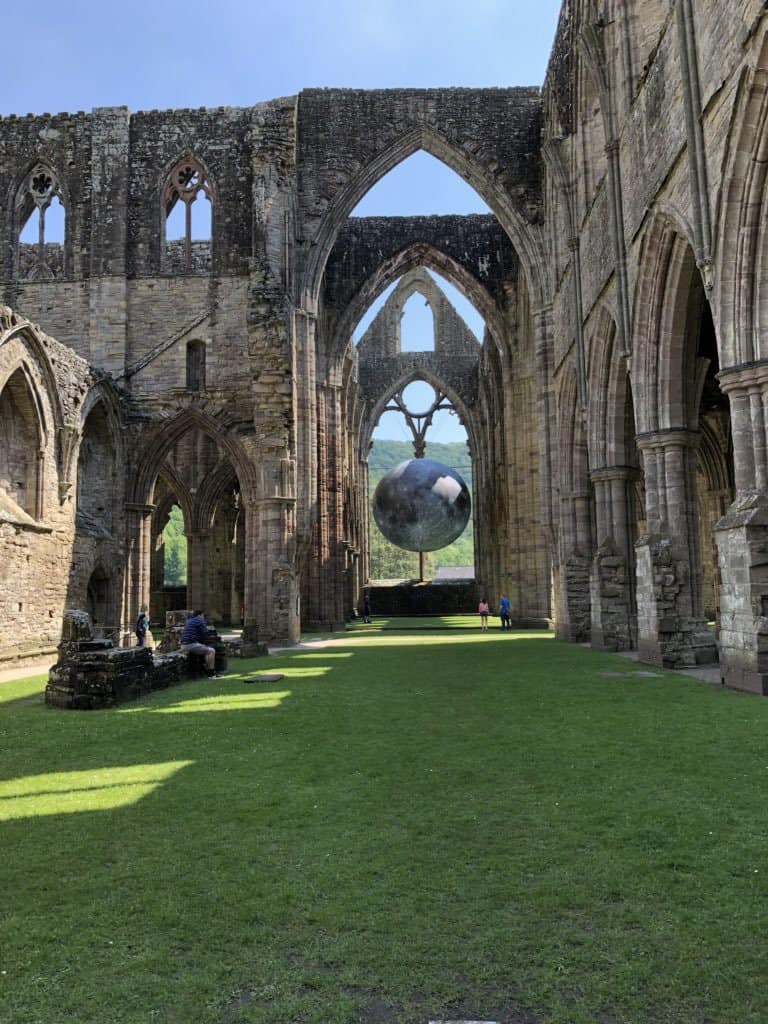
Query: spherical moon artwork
x=421 y=505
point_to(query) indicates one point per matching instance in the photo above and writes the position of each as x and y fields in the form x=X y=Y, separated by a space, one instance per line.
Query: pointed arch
x=160 y=441
x=523 y=235
x=22 y=343
x=38 y=188
x=371 y=417
x=210 y=492
x=186 y=181
x=572 y=436
x=662 y=360
x=742 y=239
x=21 y=442
x=413 y=257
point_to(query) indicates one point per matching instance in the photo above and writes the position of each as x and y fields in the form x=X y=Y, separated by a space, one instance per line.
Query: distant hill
x=390 y=562
x=385 y=455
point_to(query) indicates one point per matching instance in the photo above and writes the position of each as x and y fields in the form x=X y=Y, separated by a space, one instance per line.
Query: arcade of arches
x=616 y=409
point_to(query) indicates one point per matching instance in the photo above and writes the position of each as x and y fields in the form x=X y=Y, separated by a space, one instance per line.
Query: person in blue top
x=194 y=640
x=504 y=609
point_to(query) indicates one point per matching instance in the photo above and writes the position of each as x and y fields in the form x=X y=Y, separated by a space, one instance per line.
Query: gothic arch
x=103 y=394
x=742 y=252
x=21 y=343
x=661 y=350
x=166 y=434
x=26 y=196
x=187 y=180
x=523 y=236
x=611 y=420
x=177 y=494
x=411 y=258
x=210 y=492
x=572 y=440
x=372 y=417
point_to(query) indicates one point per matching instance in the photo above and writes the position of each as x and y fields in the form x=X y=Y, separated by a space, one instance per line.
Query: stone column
x=197 y=569
x=672 y=631
x=541 y=320
x=271 y=595
x=314 y=614
x=138 y=530
x=742 y=535
x=612 y=576
x=576 y=542
x=333 y=582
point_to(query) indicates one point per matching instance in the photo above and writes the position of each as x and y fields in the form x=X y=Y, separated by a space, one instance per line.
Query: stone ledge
x=21 y=653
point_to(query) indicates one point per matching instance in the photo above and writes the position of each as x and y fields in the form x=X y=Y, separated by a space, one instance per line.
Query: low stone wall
x=91 y=673
x=411 y=598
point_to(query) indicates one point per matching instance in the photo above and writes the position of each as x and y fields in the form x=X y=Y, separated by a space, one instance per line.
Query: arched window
x=195 y=365
x=417 y=325
x=41 y=219
x=187 y=202
x=175 y=549
x=20 y=444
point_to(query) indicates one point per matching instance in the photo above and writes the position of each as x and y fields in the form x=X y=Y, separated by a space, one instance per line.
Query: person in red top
x=484 y=609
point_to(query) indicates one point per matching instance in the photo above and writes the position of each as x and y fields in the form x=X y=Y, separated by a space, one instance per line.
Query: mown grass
x=406 y=827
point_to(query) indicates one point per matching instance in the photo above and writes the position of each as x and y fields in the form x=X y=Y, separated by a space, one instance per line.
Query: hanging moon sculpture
x=421 y=505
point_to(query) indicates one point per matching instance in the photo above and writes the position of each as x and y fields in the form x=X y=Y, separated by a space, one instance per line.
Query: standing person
x=194 y=640
x=504 y=609
x=366 y=607
x=484 y=610
x=142 y=626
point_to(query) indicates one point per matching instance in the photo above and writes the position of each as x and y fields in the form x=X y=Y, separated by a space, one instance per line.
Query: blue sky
x=161 y=55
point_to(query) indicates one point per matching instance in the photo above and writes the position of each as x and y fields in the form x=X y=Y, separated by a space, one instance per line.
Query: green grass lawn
x=406 y=827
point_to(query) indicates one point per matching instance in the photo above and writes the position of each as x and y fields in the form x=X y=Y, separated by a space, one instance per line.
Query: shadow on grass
x=400 y=822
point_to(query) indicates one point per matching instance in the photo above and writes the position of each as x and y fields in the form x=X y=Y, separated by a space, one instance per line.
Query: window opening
x=42 y=223
x=187 y=187
x=417 y=325
x=420 y=184
x=419 y=412
x=195 y=365
x=175 y=550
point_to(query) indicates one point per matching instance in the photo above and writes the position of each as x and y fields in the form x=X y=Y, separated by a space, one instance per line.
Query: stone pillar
x=742 y=535
x=314 y=614
x=137 y=570
x=612 y=576
x=271 y=594
x=574 y=619
x=333 y=581
x=672 y=631
x=197 y=564
x=543 y=334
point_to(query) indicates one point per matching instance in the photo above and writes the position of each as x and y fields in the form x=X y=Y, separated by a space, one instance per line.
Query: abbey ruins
x=617 y=410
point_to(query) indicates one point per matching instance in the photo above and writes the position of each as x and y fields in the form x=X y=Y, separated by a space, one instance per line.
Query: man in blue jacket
x=504 y=609
x=194 y=640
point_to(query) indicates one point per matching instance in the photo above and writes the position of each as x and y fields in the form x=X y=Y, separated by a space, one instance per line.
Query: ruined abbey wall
x=615 y=410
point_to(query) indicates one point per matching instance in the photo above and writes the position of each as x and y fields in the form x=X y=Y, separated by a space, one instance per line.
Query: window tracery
x=187 y=218
x=41 y=216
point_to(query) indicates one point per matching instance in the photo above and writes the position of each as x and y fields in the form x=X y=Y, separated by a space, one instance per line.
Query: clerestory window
x=41 y=218
x=187 y=207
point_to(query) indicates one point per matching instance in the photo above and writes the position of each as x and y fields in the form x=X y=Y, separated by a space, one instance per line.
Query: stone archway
x=673 y=371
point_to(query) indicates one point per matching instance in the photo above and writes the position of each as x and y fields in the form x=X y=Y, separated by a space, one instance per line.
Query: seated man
x=194 y=640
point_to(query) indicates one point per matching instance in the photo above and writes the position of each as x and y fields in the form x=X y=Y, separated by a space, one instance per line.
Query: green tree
x=175 y=561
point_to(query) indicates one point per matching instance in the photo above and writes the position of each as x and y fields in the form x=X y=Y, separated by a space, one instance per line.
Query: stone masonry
x=615 y=410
